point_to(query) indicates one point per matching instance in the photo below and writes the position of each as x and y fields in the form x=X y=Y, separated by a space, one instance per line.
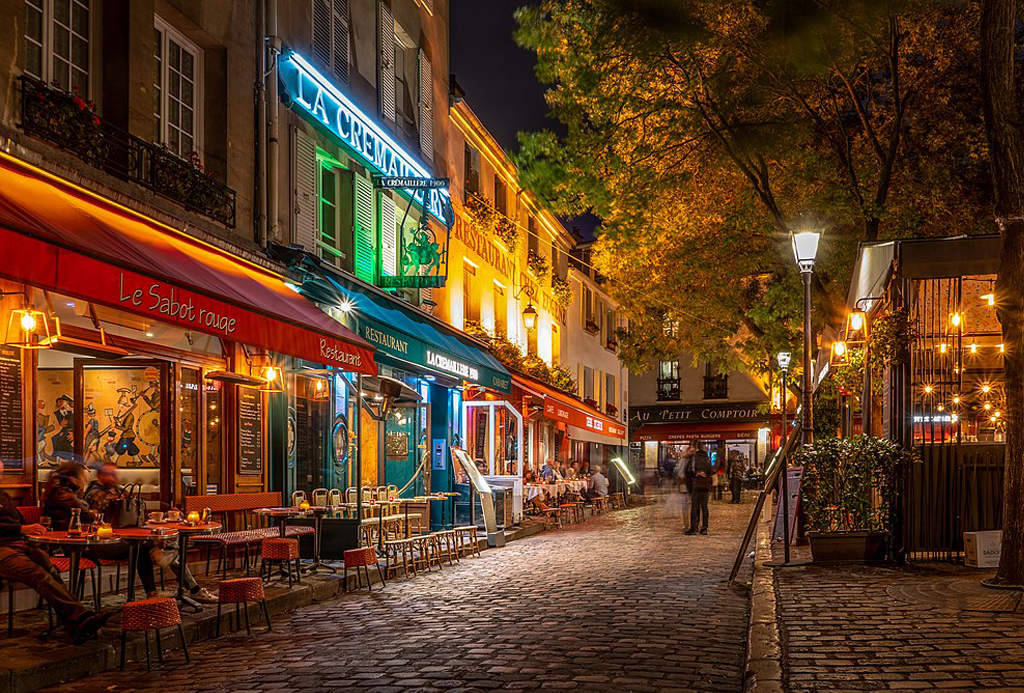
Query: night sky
x=497 y=76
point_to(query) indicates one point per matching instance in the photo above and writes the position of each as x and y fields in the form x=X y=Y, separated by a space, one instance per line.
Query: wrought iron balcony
x=69 y=122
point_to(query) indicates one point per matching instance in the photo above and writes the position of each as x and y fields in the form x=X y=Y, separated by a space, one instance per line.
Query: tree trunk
x=1006 y=152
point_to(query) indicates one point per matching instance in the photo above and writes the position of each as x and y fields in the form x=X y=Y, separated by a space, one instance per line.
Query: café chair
x=334 y=498
x=282 y=552
x=241 y=591
x=298 y=497
x=151 y=615
x=362 y=558
x=319 y=497
x=469 y=540
x=381 y=493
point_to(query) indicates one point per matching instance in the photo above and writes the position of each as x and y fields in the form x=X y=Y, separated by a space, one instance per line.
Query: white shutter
x=322 y=32
x=388 y=237
x=365 y=234
x=304 y=182
x=387 y=63
x=339 y=45
x=426 y=109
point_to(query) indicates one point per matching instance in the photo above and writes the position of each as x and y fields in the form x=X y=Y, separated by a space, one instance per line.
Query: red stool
x=147 y=615
x=281 y=552
x=242 y=591
x=362 y=558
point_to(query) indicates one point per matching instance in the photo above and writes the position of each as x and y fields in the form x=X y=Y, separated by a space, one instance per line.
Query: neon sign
x=333 y=110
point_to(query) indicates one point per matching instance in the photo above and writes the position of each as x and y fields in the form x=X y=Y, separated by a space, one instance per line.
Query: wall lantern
x=28 y=328
x=530 y=316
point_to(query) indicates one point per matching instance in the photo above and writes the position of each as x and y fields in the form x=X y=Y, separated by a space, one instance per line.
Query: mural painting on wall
x=55 y=422
x=122 y=416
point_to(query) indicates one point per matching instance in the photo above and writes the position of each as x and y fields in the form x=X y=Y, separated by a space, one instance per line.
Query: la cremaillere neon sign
x=324 y=102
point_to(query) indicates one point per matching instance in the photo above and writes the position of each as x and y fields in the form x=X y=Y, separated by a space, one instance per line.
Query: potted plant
x=847 y=492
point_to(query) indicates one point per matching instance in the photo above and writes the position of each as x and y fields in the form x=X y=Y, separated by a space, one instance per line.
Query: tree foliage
x=702 y=132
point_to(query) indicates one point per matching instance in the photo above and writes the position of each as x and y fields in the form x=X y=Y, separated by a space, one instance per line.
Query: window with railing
x=668 y=381
x=58 y=43
x=177 y=92
x=716 y=385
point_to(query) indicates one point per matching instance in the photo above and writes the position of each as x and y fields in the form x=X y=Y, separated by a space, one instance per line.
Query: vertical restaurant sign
x=11 y=451
x=318 y=97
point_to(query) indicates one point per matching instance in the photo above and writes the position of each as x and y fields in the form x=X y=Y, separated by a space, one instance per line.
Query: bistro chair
x=240 y=592
x=334 y=498
x=362 y=558
x=469 y=540
x=151 y=615
x=297 y=498
x=381 y=493
x=281 y=552
x=320 y=497
x=31 y=514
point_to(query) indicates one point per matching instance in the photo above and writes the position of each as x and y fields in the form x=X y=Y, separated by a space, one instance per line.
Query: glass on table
x=46 y=521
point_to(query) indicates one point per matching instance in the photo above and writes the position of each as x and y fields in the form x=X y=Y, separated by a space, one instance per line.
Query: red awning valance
x=56 y=236
x=561 y=407
x=695 y=431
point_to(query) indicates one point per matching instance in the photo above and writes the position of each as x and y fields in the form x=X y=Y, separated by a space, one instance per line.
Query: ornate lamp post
x=805 y=249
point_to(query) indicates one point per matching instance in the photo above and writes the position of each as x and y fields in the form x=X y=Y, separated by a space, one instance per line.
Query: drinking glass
x=46 y=521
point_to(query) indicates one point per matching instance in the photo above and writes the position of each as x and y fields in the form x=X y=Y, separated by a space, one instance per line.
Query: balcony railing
x=68 y=122
x=668 y=390
x=716 y=387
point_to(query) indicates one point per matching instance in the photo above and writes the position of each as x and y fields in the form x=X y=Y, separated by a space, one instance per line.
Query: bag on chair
x=128 y=509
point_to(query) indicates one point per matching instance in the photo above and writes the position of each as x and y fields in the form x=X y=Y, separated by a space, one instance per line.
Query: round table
x=73 y=546
x=281 y=514
x=184 y=530
x=135 y=537
x=318 y=512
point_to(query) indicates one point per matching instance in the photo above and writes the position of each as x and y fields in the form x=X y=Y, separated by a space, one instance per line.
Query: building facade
x=679 y=403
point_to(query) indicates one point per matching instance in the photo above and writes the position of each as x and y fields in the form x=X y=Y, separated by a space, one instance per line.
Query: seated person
x=598 y=483
x=528 y=477
x=99 y=496
x=28 y=565
x=548 y=472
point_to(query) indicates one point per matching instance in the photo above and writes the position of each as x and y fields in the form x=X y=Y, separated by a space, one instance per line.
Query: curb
x=764 y=670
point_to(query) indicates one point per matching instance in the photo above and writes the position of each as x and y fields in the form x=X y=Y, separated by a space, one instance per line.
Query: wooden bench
x=246 y=529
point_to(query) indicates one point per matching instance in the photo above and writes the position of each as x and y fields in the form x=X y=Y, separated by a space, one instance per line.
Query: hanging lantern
x=530 y=316
x=28 y=328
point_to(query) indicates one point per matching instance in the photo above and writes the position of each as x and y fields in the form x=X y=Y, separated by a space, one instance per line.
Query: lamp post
x=805 y=249
x=784 y=358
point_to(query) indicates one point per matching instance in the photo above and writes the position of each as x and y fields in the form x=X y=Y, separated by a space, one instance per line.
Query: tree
x=999 y=68
x=699 y=131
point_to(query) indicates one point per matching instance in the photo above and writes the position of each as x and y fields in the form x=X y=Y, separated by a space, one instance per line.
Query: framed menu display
x=250 y=431
x=11 y=451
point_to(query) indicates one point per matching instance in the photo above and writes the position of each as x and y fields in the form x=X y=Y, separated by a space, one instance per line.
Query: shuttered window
x=331 y=36
x=387 y=63
x=304 y=188
x=426 y=108
x=388 y=237
x=336 y=216
x=365 y=233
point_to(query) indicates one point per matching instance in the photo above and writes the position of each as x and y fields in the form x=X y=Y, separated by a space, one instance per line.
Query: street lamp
x=805 y=249
x=530 y=316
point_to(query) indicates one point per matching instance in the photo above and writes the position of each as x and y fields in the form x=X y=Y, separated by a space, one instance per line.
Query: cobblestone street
x=623 y=602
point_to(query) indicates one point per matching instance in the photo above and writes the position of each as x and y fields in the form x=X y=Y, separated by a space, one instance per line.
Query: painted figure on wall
x=91 y=445
x=63 y=414
x=43 y=428
x=124 y=424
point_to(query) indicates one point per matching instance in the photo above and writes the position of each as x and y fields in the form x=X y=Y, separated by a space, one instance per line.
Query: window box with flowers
x=591 y=402
x=562 y=291
x=63 y=119
x=481 y=211
x=592 y=327
x=611 y=409
x=612 y=343
x=507 y=232
x=537 y=263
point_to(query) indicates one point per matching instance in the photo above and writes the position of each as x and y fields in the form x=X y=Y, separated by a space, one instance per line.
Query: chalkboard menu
x=10 y=409
x=250 y=431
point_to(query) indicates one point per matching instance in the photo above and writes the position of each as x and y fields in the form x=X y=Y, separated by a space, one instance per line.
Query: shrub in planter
x=848 y=489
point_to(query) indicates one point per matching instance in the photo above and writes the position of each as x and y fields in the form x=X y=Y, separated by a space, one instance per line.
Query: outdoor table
x=318 y=512
x=184 y=530
x=282 y=515
x=73 y=547
x=135 y=537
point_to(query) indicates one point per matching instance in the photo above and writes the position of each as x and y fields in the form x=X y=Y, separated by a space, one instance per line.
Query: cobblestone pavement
x=876 y=629
x=623 y=602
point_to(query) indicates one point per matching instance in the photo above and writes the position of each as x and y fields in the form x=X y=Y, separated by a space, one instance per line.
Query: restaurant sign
x=554 y=409
x=327 y=105
x=739 y=412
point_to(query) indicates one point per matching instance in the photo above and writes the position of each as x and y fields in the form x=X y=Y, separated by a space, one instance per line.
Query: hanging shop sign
x=408 y=183
x=752 y=412
x=327 y=105
x=423 y=262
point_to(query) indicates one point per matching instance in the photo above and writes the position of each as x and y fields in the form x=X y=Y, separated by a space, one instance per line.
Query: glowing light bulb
x=856 y=321
x=954 y=418
x=988 y=406
x=1002 y=349
x=989 y=298
x=955 y=319
x=839 y=348
x=927 y=389
x=270 y=373
x=974 y=348
x=996 y=413
x=941 y=408
x=28 y=322
x=986 y=388
x=956 y=399
x=943 y=348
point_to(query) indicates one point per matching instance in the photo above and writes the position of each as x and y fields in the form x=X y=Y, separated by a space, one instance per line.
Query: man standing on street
x=702 y=471
x=735 y=470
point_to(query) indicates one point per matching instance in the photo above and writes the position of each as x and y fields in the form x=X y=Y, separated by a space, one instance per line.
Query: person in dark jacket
x=703 y=472
x=27 y=565
x=63 y=493
x=737 y=467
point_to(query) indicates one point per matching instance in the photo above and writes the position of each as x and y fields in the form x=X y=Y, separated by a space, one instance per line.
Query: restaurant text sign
x=745 y=412
x=554 y=409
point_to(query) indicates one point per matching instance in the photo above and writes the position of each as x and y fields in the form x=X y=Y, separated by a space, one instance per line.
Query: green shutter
x=388 y=237
x=365 y=233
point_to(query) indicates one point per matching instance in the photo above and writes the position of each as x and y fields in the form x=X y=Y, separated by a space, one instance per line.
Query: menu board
x=250 y=431
x=10 y=410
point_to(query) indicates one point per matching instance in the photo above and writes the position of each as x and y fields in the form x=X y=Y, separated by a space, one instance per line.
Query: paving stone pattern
x=845 y=629
x=623 y=602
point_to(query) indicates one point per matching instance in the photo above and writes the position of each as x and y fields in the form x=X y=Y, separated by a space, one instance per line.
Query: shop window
x=331 y=36
x=177 y=92
x=57 y=43
x=716 y=386
x=472 y=170
x=500 y=310
x=668 y=381
x=610 y=391
x=214 y=439
x=470 y=301
x=405 y=85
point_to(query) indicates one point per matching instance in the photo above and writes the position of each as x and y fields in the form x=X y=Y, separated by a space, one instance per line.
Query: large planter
x=848 y=547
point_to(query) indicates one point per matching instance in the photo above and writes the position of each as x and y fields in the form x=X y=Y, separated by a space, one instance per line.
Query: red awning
x=57 y=236
x=695 y=431
x=561 y=407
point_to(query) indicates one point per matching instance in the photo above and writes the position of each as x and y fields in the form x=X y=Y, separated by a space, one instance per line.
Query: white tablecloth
x=555 y=488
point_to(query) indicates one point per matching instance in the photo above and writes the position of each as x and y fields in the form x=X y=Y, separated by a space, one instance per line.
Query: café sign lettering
x=324 y=102
x=450 y=365
x=738 y=412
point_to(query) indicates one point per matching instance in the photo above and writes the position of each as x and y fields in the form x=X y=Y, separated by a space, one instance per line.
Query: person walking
x=703 y=473
x=736 y=469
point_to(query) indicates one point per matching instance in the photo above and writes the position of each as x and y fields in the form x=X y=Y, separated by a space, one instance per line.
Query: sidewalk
x=921 y=627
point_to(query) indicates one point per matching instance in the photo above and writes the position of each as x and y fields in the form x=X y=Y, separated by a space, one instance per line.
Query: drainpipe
x=261 y=127
x=273 y=127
